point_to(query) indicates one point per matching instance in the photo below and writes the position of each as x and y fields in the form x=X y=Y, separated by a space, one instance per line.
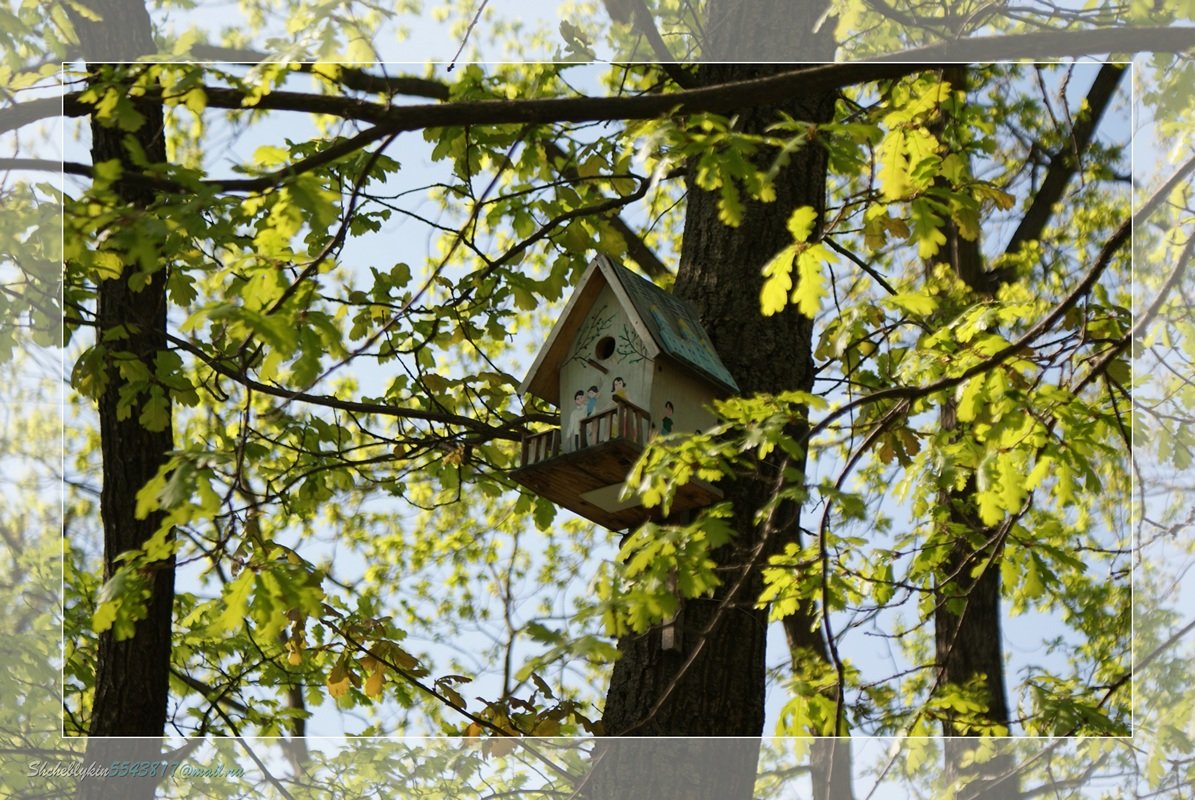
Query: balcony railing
x=539 y=447
x=624 y=421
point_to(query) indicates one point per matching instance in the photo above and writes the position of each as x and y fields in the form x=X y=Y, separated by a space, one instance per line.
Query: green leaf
x=811 y=279
x=116 y=106
x=545 y=513
x=195 y=100
x=1032 y=586
x=104 y=617
x=927 y=228
x=121 y=602
x=885 y=587
x=149 y=496
x=1038 y=473
x=107 y=265
x=893 y=166
x=969 y=396
x=235 y=603
x=1012 y=483
x=773 y=296
x=800 y=223
x=991 y=509
x=920 y=303
x=155 y=414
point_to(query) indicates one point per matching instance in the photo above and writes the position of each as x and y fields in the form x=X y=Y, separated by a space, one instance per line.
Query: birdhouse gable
x=640 y=319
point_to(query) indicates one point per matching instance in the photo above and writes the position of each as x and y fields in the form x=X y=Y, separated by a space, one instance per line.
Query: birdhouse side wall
x=606 y=357
x=680 y=400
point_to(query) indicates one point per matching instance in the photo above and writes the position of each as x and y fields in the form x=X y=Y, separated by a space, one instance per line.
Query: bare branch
x=1065 y=163
x=645 y=24
x=468 y=31
x=509 y=431
x=718 y=99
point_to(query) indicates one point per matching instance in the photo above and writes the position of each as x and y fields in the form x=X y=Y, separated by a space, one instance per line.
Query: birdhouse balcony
x=585 y=471
x=625 y=421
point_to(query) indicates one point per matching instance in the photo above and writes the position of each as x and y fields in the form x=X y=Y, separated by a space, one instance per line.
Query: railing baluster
x=624 y=420
x=541 y=446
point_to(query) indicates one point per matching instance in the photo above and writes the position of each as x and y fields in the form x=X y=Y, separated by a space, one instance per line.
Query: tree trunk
x=968 y=638
x=132 y=676
x=829 y=757
x=720 y=691
x=720 y=274
x=969 y=646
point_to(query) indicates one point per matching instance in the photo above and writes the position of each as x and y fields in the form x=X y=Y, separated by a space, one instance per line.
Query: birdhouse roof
x=668 y=326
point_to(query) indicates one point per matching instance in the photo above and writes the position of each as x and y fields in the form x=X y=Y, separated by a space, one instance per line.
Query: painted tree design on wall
x=631 y=349
x=591 y=331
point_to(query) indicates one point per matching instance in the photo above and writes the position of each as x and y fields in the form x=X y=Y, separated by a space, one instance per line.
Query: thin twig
x=464 y=40
x=860 y=263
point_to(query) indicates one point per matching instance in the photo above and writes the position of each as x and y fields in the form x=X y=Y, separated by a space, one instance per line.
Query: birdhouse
x=627 y=361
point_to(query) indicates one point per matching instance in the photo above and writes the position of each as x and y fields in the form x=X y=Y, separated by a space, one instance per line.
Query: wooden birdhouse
x=627 y=361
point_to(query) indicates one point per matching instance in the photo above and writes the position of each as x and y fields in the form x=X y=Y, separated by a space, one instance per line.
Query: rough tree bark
x=968 y=642
x=132 y=676
x=653 y=691
x=967 y=637
x=830 y=757
x=969 y=645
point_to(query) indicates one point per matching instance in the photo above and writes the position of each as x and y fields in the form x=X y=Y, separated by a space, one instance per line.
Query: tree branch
x=409 y=677
x=1065 y=163
x=349 y=77
x=207 y=691
x=1125 y=679
x=718 y=99
x=1051 y=45
x=860 y=263
x=46 y=165
x=1172 y=280
x=468 y=32
x=637 y=249
x=509 y=431
x=1118 y=239
x=645 y=24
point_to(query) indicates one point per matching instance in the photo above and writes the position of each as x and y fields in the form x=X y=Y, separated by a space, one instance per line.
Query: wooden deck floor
x=565 y=478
